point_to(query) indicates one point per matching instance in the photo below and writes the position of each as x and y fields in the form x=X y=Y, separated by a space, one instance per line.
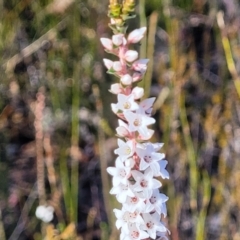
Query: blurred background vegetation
x=57 y=132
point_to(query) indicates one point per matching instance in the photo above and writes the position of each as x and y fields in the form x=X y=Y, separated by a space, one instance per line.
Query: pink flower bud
x=107 y=43
x=131 y=55
x=116 y=88
x=138 y=92
x=126 y=80
x=118 y=39
x=117 y=66
x=140 y=65
x=122 y=131
x=136 y=35
x=108 y=63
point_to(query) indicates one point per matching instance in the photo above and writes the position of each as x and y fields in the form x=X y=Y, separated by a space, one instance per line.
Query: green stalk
x=150 y=52
x=228 y=53
x=200 y=229
x=191 y=154
x=63 y=170
x=143 y=22
x=74 y=143
x=102 y=156
x=75 y=36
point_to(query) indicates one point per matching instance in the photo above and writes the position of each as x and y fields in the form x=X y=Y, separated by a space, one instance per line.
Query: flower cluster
x=138 y=160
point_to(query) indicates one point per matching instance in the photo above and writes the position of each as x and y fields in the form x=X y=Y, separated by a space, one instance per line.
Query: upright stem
x=40 y=103
x=74 y=144
x=102 y=155
x=2 y=232
x=150 y=52
x=143 y=22
x=143 y=48
x=228 y=53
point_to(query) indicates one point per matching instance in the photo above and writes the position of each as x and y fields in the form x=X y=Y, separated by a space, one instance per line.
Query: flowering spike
x=138 y=161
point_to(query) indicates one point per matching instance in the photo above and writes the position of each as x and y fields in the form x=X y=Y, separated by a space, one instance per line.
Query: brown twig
x=40 y=104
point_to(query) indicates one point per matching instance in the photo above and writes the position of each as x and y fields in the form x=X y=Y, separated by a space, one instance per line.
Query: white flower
x=125 y=149
x=145 y=182
x=122 y=219
x=125 y=217
x=157 y=202
x=45 y=213
x=135 y=203
x=152 y=226
x=135 y=233
x=149 y=158
x=120 y=173
x=125 y=103
x=139 y=122
x=122 y=191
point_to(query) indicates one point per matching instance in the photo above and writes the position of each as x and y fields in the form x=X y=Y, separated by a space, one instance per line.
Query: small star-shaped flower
x=125 y=103
x=149 y=158
x=138 y=122
x=125 y=149
x=120 y=173
x=145 y=182
x=152 y=226
x=157 y=202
